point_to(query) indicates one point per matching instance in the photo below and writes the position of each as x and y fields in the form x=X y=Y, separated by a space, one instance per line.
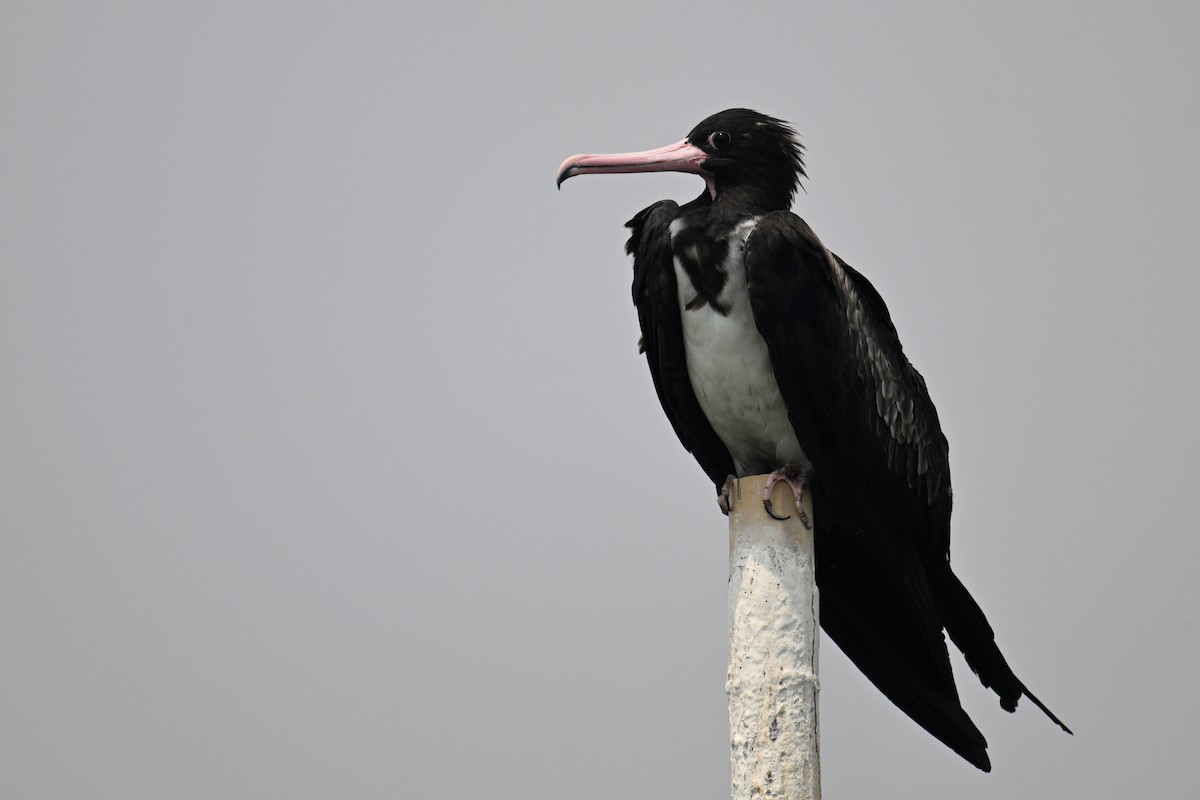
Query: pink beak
x=679 y=157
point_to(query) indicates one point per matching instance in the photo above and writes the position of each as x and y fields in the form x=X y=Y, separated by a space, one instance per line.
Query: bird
x=770 y=354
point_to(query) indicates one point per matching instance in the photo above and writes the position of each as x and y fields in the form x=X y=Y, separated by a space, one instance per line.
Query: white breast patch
x=731 y=371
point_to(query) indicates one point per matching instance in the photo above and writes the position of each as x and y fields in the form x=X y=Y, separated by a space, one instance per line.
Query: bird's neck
x=720 y=214
x=751 y=200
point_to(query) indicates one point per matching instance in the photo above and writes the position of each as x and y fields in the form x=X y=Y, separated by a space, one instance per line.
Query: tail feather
x=971 y=633
x=1046 y=711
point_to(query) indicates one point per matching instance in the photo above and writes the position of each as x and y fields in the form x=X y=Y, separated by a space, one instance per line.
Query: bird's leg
x=795 y=477
x=723 y=497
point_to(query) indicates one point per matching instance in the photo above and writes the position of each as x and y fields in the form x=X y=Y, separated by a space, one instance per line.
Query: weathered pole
x=773 y=635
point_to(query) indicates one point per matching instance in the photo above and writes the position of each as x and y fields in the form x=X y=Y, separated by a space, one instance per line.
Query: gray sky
x=328 y=466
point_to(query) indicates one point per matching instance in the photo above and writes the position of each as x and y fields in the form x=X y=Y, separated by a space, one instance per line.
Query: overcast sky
x=329 y=468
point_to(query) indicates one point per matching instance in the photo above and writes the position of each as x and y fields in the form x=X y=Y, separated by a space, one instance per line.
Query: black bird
x=771 y=354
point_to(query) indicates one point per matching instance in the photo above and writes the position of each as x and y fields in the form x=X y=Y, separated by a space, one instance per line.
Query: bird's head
x=737 y=152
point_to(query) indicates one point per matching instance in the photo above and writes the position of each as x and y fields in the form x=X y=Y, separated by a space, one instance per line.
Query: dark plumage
x=835 y=393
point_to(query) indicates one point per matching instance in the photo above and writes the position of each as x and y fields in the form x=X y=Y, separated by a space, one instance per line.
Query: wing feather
x=861 y=411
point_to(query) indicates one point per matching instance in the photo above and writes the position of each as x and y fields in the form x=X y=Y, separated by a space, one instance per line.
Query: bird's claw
x=771 y=511
x=723 y=498
x=797 y=479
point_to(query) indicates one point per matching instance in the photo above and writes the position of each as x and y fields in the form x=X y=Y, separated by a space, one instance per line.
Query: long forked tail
x=971 y=633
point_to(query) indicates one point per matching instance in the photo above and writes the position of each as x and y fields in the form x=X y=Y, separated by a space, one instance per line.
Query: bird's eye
x=719 y=140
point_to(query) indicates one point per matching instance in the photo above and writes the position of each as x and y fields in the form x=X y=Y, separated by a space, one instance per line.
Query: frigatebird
x=770 y=354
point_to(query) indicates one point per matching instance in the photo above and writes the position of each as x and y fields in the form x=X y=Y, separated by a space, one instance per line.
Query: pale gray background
x=328 y=467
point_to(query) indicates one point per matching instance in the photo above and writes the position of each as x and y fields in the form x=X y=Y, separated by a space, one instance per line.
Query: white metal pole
x=773 y=634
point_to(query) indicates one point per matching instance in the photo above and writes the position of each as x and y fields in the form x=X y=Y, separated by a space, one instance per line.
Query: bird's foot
x=795 y=477
x=723 y=497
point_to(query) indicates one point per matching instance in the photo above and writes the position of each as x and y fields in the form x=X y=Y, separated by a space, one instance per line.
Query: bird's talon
x=771 y=512
x=723 y=501
x=797 y=480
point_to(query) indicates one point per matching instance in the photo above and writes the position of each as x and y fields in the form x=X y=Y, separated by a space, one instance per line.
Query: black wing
x=655 y=295
x=864 y=418
x=861 y=411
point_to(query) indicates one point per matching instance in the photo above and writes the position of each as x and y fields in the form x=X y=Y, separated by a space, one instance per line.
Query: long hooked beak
x=679 y=157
